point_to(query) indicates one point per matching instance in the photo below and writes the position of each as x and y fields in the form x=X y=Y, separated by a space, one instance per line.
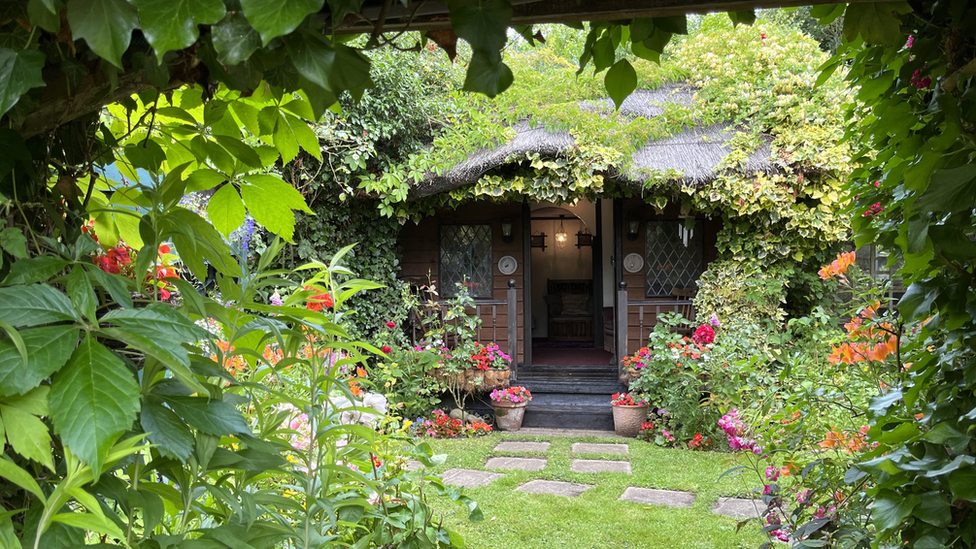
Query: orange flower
x=839 y=266
x=318 y=300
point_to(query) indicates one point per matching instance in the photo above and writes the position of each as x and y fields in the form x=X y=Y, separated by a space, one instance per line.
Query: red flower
x=391 y=324
x=386 y=349
x=318 y=300
x=107 y=264
x=377 y=462
x=704 y=335
x=164 y=248
x=164 y=294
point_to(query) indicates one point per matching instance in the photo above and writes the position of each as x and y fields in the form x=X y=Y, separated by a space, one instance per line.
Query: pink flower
x=704 y=335
x=772 y=473
x=391 y=324
x=767 y=490
x=911 y=40
x=386 y=349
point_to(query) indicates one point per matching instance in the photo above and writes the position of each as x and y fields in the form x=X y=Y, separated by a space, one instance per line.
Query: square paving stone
x=649 y=496
x=524 y=464
x=469 y=478
x=518 y=446
x=413 y=465
x=589 y=448
x=739 y=507
x=599 y=466
x=555 y=487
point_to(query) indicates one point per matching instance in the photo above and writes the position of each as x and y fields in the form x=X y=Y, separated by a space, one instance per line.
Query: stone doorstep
x=469 y=478
x=738 y=507
x=649 y=496
x=592 y=448
x=521 y=446
x=554 y=487
x=599 y=466
x=523 y=464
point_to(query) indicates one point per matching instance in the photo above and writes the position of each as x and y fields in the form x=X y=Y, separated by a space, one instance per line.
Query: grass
x=596 y=519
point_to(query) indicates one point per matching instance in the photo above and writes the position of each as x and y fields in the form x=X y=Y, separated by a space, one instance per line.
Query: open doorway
x=567 y=289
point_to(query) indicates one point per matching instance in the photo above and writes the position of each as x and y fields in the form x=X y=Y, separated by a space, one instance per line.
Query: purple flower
x=276 y=300
x=714 y=321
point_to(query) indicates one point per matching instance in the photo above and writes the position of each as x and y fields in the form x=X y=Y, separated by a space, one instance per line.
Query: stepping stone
x=469 y=478
x=555 y=487
x=515 y=446
x=413 y=465
x=599 y=466
x=589 y=448
x=649 y=496
x=739 y=507
x=523 y=464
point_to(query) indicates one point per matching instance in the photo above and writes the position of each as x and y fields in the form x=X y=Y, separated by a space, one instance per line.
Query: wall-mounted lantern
x=584 y=238
x=538 y=240
x=561 y=237
x=633 y=227
x=507 y=235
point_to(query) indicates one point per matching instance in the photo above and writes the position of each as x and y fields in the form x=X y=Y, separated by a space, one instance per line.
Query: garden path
x=473 y=478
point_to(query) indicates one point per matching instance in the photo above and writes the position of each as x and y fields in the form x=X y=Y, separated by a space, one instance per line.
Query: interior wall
x=607 y=236
x=554 y=262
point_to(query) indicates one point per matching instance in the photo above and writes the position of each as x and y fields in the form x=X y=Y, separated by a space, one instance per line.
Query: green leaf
x=934 y=509
x=313 y=57
x=40 y=15
x=827 y=13
x=486 y=76
x=33 y=305
x=642 y=51
x=19 y=72
x=94 y=399
x=215 y=417
x=350 y=71
x=273 y=19
x=226 y=210
x=951 y=190
x=235 y=39
x=677 y=24
x=876 y=22
x=147 y=154
x=196 y=241
x=891 y=508
x=82 y=293
x=172 y=24
x=48 y=348
x=620 y=81
x=28 y=435
x=166 y=430
x=8 y=538
x=239 y=150
x=117 y=286
x=21 y=478
x=13 y=241
x=747 y=17
x=271 y=201
x=35 y=269
x=945 y=434
x=483 y=25
x=962 y=482
x=105 y=25
x=339 y=9
x=90 y=521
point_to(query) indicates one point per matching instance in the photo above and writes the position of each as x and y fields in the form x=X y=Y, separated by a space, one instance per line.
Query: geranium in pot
x=629 y=412
x=510 y=406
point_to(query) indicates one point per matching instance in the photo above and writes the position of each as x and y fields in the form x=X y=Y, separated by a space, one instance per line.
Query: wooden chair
x=687 y=309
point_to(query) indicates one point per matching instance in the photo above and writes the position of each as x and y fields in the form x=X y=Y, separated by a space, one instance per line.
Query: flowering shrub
x=121 y=259
x=624 y=399
x=489 y=357
x=512 y=394
x=441 y=425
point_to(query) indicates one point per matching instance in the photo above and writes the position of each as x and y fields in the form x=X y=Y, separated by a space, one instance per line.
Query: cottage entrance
x=566 y=305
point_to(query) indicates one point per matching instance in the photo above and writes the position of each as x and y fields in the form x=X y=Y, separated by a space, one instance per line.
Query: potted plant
x=629 y=412
x=510 y=406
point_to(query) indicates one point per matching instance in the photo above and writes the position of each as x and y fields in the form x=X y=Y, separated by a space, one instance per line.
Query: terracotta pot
x=627 y=419
x=508 y=415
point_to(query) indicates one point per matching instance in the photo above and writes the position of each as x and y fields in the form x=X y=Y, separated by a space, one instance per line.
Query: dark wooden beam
x=435 y=16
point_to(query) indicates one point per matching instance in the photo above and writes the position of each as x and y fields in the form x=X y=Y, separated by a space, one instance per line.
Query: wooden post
x=513 y=326
x=620 y=330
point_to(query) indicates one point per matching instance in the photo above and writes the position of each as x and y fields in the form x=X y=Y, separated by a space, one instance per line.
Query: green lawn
x=597 y=519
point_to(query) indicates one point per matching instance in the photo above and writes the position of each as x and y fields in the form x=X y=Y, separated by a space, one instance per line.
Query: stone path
x=472 y=478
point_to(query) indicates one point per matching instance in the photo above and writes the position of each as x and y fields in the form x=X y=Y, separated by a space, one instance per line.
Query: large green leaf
x=483 y=24
x=215 y=417
x=275 y=18
x=620 y=81
x=93 y=400
x=172 y=24
x=891 y=508
x=934 y=509
x=25 y=306
x=105 y=25
x=48 y=349
x=27 y=434
x=226 y=210
x=166 y=430
x=271 y=201
x=951 y=190
x=235 y=39
x=35 y=269
x=19 y=72
x=487 y=76
x=197 y=241
x=313 y=57
x=963 y=483
x=81 y=292
x=876 y=22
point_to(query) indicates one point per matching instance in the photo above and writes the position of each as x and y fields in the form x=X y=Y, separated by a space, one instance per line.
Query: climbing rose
x=704 y=335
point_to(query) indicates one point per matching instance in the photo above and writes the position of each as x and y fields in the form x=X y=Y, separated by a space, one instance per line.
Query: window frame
x=448 y=288
x=697 y=237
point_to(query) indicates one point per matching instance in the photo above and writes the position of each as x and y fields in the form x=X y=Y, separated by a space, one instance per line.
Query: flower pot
x=508 y=415
x=627 y=419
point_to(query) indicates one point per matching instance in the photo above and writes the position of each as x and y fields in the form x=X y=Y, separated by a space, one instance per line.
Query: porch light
x=633 y=228
x=584 y=238
x=507 y=230
x=561 y=237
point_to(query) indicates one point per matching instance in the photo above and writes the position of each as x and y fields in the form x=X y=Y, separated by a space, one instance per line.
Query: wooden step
x=585 y=387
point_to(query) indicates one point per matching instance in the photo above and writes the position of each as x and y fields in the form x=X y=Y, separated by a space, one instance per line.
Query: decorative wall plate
x=633 y=263
x=507 y=265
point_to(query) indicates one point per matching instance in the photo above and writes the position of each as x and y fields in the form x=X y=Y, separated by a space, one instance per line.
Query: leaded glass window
x=873 y=260
x=673 y=257
x=466 y=257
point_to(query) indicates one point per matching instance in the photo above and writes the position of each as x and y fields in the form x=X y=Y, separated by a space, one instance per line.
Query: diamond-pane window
x=466 y=257
x=673 y=257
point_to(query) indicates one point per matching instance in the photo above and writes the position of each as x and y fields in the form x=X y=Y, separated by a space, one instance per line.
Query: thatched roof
x=695 y=152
